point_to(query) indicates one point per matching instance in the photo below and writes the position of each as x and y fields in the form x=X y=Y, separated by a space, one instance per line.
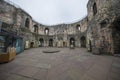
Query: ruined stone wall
x=79 y=33
x=60 y=34
x=51 y=30
x=101 y=5
x=23 y=31
x=41 y=30
x=21 y=20
x=99 y=25
x=96 y=34
x=7 y=12
x=71 y=29
x=64 y=32
x=84 y=24
x=17 y=18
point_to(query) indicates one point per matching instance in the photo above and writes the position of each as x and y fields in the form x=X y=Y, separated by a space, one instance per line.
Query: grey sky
x=51 y=12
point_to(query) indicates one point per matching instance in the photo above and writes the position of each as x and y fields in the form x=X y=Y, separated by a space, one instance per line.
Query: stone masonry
x=99 y=31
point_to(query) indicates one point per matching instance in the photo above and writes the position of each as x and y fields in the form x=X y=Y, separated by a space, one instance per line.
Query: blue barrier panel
x=18 y=45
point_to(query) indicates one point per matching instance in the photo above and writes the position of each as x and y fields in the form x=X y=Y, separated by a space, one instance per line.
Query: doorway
x=31 y=44
x=83 y=41
x=41 y=42
x=72 y=42
x=51 y=42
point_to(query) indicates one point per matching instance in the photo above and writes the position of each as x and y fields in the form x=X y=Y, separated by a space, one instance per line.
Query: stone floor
x=68 y=64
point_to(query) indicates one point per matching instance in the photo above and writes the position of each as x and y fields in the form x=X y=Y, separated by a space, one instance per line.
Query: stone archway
x=72 y=41
x=31 y=44
x=64 y=44
x=41 y=40
x=51 y=42
x=83 y=41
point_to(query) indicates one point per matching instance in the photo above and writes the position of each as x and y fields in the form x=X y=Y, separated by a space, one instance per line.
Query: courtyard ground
x=68 y=64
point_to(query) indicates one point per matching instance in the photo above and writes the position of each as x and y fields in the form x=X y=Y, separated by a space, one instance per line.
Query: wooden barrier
x=7 y=57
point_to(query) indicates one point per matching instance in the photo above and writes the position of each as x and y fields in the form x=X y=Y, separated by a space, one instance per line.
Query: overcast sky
x=51 y=12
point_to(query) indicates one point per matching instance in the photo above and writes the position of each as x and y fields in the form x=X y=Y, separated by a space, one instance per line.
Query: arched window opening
x=94 y=9
x=78 y=27
x=46 y=31
x=35 y=28
x=27 y=23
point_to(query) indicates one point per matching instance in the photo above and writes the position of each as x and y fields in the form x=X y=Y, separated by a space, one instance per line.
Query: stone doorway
x=31 y=44
x=41 y=42
x=83 y=41
x=72 y=42
x=51 y=42
x=64 y=44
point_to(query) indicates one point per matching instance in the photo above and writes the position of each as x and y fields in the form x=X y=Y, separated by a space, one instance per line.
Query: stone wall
x=7 y=12
x=100 y=26
x=99 y=31
x=23 y=24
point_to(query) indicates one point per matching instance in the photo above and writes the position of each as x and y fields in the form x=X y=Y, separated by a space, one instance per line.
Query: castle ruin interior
x=98 y=32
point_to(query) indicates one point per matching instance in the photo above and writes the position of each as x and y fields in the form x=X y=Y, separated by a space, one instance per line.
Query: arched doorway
x=83 y=41
x=64 y=44
x=31 y=44
x=72 y=42
x=41 y=42
x=51 y=42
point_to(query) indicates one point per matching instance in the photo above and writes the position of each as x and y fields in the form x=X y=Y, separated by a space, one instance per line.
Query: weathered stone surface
x=77 y=64
x=32 y=32
x=103 y=31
